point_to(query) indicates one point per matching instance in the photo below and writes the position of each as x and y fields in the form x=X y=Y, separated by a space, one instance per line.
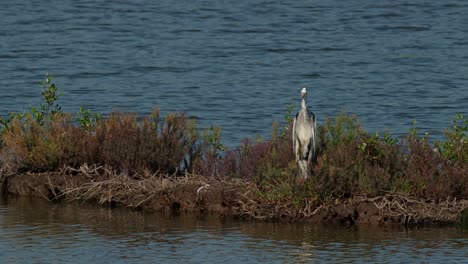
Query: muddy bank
x=231 y=198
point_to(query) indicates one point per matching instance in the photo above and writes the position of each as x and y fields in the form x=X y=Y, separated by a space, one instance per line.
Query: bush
x=455 y=147
x=351 y=161
x=118 y=141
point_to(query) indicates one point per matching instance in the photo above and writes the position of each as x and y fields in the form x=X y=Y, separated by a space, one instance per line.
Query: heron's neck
x=304 y=104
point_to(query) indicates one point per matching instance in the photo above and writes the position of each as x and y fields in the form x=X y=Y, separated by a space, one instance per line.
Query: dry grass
x=412 y=210
x=234 y=197
x=107 y=186
x=386 y=208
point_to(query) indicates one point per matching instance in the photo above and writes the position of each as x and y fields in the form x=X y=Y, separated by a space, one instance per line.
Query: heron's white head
x=304 y=92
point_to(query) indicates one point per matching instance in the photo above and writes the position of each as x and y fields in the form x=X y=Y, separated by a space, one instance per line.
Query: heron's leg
x=303 y=168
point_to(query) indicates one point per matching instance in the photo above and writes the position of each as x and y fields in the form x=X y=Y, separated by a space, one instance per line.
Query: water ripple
x=255 y=54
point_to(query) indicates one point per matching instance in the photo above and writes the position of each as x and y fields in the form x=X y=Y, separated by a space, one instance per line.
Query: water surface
x=36 y=231
x=239 y=63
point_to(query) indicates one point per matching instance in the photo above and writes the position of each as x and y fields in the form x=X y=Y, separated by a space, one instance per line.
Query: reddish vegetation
x=150 y=164
x=119 y=142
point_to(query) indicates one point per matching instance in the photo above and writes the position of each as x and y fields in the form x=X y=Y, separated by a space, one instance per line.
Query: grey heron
x=304 y=135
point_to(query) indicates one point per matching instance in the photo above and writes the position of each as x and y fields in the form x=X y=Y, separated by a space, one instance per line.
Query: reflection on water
x=36 y=231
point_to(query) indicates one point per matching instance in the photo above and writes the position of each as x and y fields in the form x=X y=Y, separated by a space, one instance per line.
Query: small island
x=168 y=164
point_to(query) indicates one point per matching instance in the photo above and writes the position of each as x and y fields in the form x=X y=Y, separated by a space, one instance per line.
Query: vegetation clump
x=351 y=162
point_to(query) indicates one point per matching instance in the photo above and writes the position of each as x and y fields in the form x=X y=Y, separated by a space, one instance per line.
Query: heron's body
x=304 y=136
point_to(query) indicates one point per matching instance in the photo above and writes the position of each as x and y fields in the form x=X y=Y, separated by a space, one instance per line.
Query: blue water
x=240 y=63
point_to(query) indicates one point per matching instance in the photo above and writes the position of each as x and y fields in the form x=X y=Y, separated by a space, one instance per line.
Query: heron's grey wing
x=296 y=145
x=294 y=133
x=313 y=116
x=314 y=133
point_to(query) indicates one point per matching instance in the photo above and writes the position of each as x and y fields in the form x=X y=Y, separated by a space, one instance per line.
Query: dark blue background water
x=239 y=63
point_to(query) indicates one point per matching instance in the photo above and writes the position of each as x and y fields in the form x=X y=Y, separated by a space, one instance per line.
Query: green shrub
x=455 y=147
x=49 y=107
